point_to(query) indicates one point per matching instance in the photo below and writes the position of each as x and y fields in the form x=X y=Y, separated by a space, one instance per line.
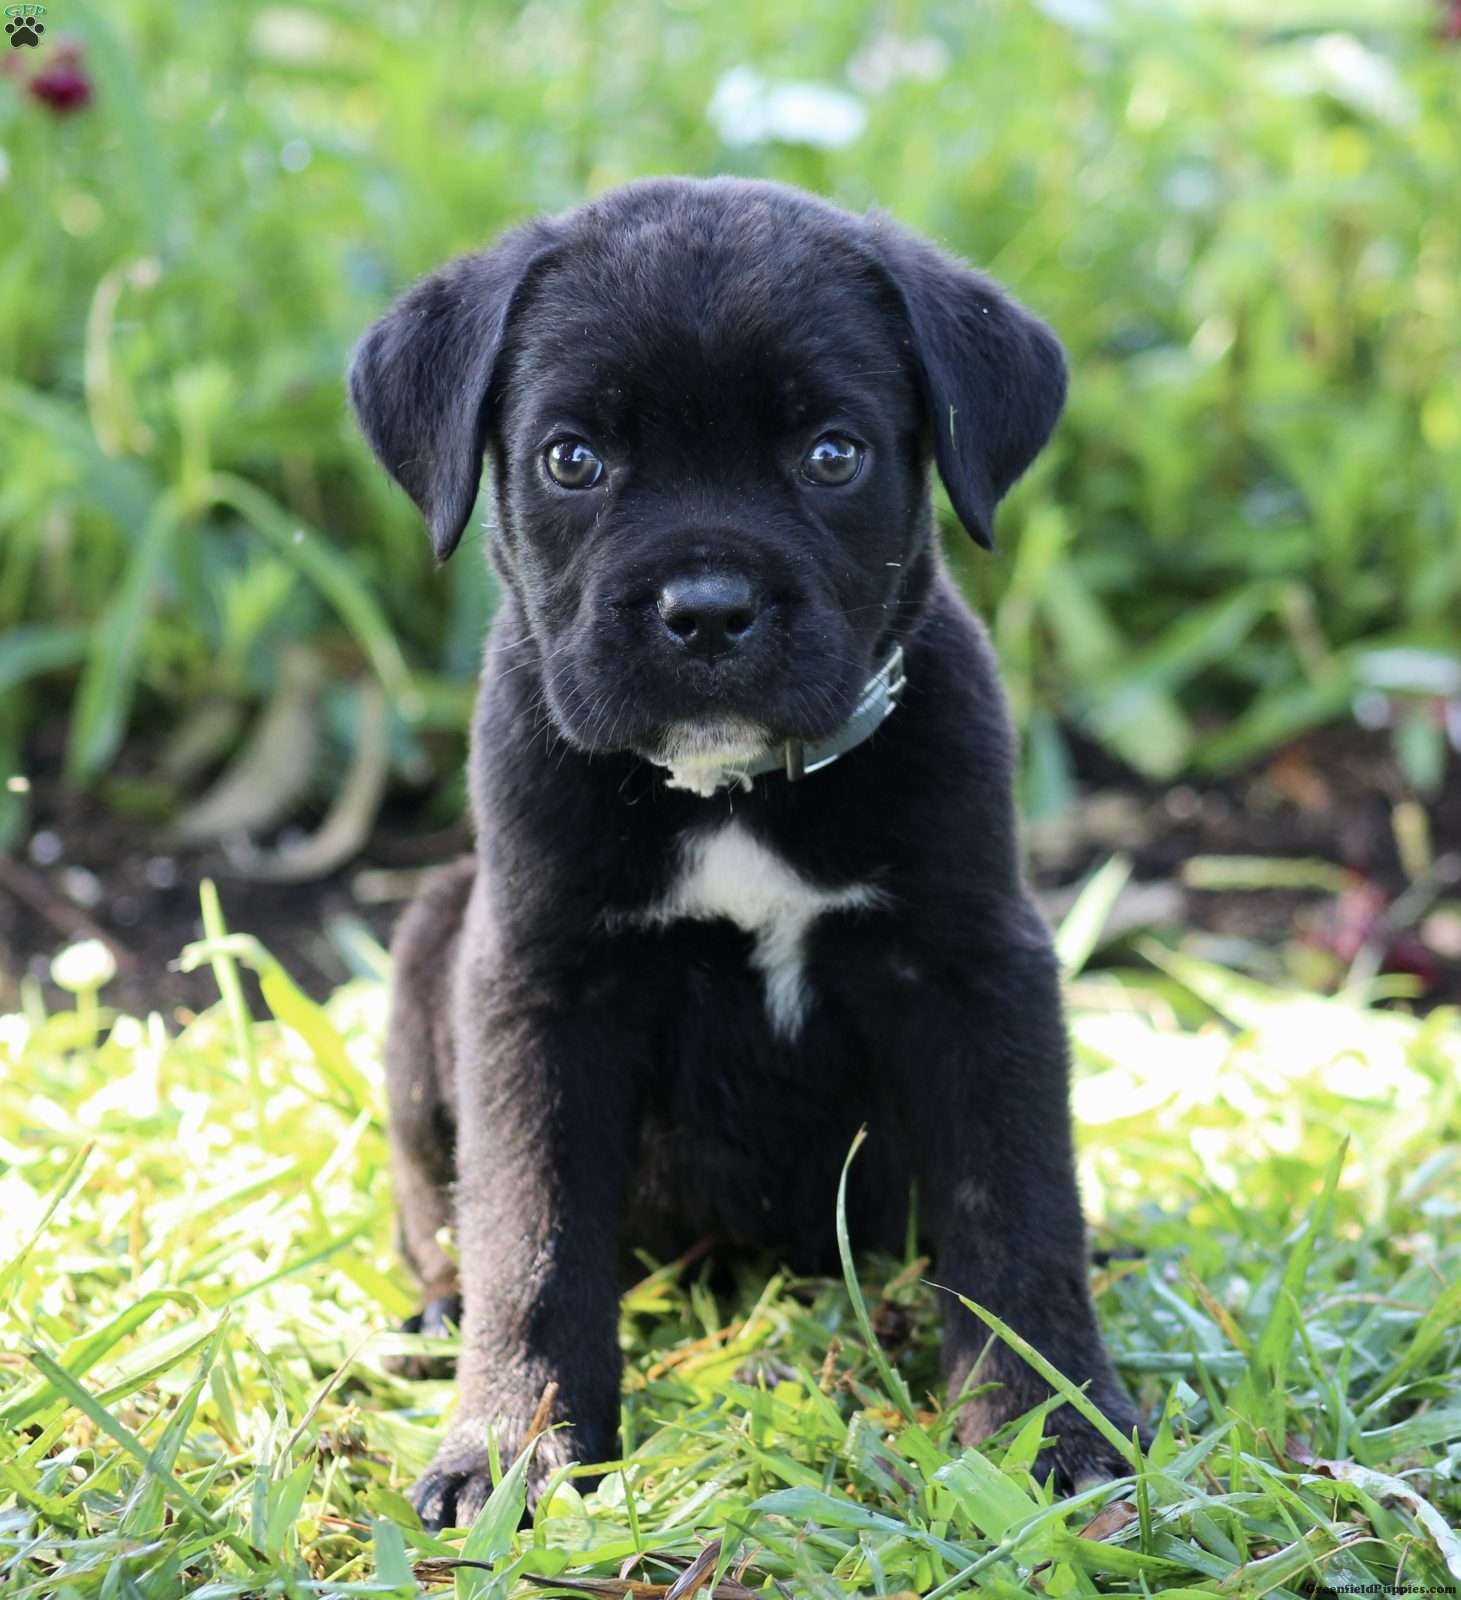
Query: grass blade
x=109 y=680
x=88 y=1405
x=1080 y=932
x=893 y=1384
x=1069 y=1392
x=10 y=1273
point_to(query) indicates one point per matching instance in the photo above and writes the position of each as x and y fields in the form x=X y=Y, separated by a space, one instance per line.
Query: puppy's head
x=710 y=408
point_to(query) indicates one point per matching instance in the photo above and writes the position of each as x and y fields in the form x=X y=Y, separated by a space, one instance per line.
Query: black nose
x=709 y=614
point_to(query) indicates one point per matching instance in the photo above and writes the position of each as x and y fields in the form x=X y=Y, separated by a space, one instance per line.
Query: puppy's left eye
x=572 y=465
x=832 y=461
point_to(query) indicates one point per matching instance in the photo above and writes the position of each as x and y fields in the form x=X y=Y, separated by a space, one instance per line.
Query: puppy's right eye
x=572 y=465
x=832 y=461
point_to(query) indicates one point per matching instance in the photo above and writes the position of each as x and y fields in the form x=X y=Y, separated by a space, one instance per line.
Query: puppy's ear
x=993 y=375
x=420 y=378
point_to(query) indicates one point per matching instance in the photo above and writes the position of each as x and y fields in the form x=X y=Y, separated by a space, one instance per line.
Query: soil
x=82 y=870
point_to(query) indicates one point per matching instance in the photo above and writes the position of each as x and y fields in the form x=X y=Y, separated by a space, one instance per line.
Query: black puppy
x=746 y=873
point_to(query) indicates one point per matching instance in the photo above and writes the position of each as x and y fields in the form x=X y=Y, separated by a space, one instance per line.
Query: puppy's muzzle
x=708 y=615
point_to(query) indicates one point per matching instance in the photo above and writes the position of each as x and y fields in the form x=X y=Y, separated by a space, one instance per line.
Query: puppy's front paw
x=455 y=1487
x=1081 y=1456
x=452 y=1491
x=437 y=1319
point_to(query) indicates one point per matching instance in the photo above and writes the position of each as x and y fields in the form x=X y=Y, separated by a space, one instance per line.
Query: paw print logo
x=25 y=25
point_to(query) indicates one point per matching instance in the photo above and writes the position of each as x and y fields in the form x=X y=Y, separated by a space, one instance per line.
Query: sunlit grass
x=200 y=1286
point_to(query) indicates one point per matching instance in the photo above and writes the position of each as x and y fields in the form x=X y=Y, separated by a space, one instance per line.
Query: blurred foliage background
x=1244 y=221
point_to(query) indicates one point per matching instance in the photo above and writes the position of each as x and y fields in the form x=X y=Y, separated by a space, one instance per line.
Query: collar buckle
x=880 y=698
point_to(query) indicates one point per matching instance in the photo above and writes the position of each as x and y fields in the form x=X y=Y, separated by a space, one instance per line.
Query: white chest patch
x=727 y=872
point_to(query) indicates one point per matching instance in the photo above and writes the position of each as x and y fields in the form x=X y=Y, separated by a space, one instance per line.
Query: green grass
x=199 y=1289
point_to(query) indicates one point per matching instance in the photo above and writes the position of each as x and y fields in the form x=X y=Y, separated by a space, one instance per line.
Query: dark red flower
x=1451 y=19
x=1358 y=916
x=63 y=86
x=1412 y=956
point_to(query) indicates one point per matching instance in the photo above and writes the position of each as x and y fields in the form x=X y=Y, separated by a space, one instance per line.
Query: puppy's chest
x=727 y=874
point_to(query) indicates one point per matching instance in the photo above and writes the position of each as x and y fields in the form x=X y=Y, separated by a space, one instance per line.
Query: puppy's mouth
x=703 y=755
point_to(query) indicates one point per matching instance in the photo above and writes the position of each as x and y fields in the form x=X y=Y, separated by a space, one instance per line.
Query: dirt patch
x=82 y=870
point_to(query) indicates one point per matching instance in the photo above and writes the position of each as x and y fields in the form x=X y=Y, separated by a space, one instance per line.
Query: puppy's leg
x=418 y=1088
x=997 y=1179
x=548 y=1112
